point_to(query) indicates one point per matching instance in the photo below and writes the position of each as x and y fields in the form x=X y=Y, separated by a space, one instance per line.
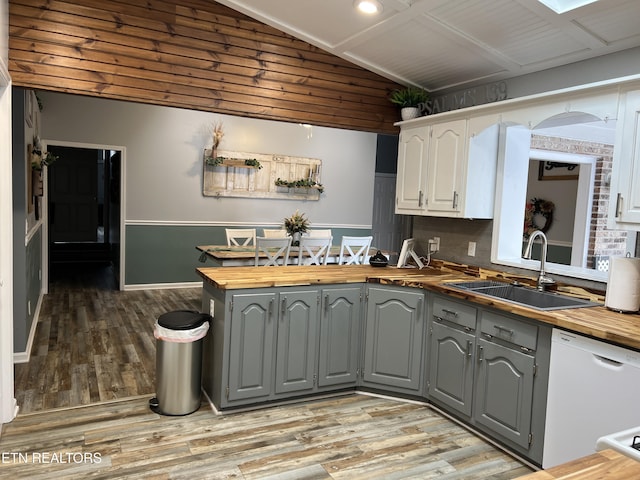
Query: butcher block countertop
x=598 y=322
x=607 y=464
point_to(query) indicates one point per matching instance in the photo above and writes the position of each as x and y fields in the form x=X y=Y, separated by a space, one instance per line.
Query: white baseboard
x=162 y=286
x=23 y=357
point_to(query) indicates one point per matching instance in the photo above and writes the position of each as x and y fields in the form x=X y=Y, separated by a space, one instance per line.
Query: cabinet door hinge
x=535 y=369
x=318 y=299
x=530 y=439
x=231 y=306
x=315 y=379
x=227 y=392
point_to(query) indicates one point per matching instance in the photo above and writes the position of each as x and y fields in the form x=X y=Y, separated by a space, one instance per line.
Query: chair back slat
x=240 y=237
x=274 y=233
x=314 y=250
x=354 y=250
x=276 y=250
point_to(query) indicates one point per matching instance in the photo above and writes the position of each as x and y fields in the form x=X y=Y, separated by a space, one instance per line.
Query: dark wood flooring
x=94 y=343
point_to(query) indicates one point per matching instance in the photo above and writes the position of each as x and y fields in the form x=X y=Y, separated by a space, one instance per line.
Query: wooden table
x=604 y=465
x=224 y=256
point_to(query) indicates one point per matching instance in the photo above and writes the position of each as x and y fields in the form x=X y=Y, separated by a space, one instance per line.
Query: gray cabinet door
x=251 y=345
x=504 y=391
x=297 y=341
x=451 y=367
x=339 y=336
x=393 y=337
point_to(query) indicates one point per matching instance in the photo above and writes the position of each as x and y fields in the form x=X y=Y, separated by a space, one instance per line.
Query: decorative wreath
x=536 y=208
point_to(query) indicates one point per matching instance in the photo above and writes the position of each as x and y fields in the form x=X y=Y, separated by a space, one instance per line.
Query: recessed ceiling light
x=368 y=6
x=563 y=6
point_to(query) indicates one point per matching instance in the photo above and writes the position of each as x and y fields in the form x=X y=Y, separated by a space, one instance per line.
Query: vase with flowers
x=296 y=225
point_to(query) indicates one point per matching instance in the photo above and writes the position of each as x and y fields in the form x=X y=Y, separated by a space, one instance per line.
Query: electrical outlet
x=433 y=245
x=437 y=241
x=471 y=251
x=211 y=306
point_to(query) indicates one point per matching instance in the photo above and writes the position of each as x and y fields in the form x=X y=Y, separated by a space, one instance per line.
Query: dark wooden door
x=73 y=195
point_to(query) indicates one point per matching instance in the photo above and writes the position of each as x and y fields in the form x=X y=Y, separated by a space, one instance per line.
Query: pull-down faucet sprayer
x=543 y=280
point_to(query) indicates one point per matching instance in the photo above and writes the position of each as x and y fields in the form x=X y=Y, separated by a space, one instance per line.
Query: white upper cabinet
x=452 y=172
x=412 y=170
x=445 y=167
x=624 y=206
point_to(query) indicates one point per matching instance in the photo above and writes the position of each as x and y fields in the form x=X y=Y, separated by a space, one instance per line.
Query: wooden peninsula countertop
x=598 y=322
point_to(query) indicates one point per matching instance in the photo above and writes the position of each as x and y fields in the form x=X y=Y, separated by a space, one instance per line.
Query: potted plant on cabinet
x=410 y=101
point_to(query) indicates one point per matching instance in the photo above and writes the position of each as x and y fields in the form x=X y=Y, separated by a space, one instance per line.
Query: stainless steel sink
x=521 y=295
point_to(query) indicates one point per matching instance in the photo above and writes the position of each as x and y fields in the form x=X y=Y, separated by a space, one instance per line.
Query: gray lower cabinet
x=490 y=369
x=297 y=335
x=251 y=346
x=486 y=367
x=275 y=343
x=504 y=391
x=451 y=346
x=340 y=320
x=394 y=334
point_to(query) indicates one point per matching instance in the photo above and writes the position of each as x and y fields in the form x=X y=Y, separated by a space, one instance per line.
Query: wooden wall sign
x=233 y=178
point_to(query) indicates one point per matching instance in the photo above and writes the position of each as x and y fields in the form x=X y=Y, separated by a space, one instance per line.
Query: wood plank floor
x=84 y=396
x=94 y=343
x=350 y=437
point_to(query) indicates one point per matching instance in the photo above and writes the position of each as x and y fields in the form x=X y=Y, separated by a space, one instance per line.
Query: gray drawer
x=455 y=312
x=509 y=329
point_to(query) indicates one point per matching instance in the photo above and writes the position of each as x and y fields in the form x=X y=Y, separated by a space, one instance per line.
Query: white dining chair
x=314 y=250
x=276 y=249
x=319 y=233
x=240 y=237
x=274 y=233
x=354 y=250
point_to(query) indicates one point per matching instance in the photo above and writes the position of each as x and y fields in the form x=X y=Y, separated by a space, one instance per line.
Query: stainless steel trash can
x=179 y=336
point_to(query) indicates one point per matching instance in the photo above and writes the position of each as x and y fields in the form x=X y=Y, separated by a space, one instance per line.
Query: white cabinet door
x=412 y=167
x=447 y=154
x=625 y=188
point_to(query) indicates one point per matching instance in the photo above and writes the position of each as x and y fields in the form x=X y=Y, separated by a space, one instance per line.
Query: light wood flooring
x=95 y=357
x=351 y=437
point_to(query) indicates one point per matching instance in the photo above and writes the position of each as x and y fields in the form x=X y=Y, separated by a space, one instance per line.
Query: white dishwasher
x=594 y=390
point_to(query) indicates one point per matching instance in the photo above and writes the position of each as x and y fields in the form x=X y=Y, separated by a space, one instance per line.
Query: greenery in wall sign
x=302 y=183
x=220 y=161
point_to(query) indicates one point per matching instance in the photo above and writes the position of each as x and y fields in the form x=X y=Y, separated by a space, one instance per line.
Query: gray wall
x=166 y=214
x=27 y=256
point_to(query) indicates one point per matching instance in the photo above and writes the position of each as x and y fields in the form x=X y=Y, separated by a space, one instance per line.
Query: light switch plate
x=471 y=251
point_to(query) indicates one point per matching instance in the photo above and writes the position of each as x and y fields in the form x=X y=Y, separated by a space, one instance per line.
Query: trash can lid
x=182 y=319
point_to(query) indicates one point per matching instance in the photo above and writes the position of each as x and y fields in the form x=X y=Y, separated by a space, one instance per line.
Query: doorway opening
x=84 y=215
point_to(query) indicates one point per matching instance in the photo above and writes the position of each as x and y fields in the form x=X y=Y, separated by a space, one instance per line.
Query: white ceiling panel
x=422 y=56
x=440 y=44
x=616 y=24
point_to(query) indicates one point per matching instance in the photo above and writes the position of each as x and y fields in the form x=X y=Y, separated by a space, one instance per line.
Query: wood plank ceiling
x=193 y=54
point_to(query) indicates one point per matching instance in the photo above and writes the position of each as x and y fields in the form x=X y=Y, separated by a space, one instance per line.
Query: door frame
x=45 y=208
x=8 y=404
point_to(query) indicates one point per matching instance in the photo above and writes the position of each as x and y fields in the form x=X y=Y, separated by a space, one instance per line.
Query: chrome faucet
x=543 y=280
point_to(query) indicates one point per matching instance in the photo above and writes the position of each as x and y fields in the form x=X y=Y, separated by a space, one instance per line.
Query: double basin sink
x=521 y=295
